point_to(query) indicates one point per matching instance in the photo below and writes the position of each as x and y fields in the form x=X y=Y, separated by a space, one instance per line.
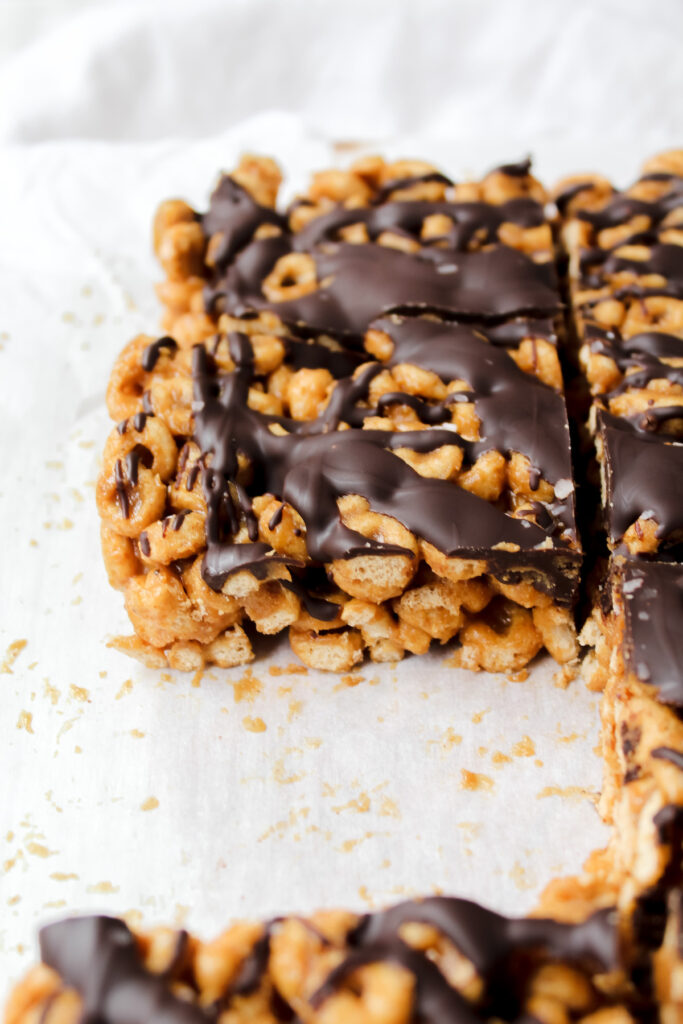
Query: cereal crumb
x=476 y=781
x=39 y=850
x=247 y=688
x=520 y=676
x=11 y=655
x=79 y=693
x=365 y=895
x=568 y=793
x=361 y=805
x=150 y=804
x=25 y=721
x=288 y=670
x=565 y=675
x=388 y=808
x=521 y=878
x=295 y=707
x=102 y=887
x=254 y=724
x=125 y=688
x=525 y=747
x=476 y=718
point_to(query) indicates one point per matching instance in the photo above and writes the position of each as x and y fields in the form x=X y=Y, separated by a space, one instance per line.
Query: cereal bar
x=435 y=961
x=625 y=279
x=360 y=437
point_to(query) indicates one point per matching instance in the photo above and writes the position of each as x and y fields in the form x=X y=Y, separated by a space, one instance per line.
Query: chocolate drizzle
x=518 y=413
x=151 y=354
x=99 y=958
x=126 y=470
x=313 y=465
x=667 y=754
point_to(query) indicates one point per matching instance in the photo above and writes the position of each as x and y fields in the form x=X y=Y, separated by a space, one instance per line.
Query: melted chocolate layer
x=652 y=598
x=361 y=282
x=643 y=477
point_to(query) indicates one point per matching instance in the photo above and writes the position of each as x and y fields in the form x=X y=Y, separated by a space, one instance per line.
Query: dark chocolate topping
x=435 y=1001
x=98 y=957
x=236 y=216
x=622 y=208
x=495 y=945
x=362 y=282
x=631 y=351
x=643 y=476
x=406 y=218
x=652 y=598
x=517 y=411
x=488 y=939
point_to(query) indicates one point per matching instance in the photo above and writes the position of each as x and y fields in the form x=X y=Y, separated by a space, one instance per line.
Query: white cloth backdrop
x=521 y=70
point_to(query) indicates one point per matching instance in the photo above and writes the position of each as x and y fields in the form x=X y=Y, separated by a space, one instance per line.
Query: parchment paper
x=251 y=792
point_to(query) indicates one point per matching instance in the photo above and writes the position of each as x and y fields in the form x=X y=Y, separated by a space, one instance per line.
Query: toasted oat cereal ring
x=129 y=495
x=301 y=957
x=186 y=490
x=211 y=604
x=281 y=526
x=172 y=538
x=181 y=250
x=146 y=431
x=374 y=577
x=162 y=612
x=128 y=380
x=170 y=399
x=292 y=276
x=503 y=639
x=272 y=607
x=120 y=559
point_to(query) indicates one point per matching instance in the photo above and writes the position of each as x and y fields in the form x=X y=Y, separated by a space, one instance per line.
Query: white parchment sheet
x=251 y=792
